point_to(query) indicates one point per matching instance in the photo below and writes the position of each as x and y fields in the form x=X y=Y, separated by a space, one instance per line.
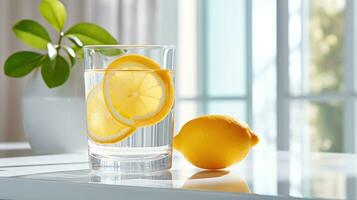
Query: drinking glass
x=130 y=103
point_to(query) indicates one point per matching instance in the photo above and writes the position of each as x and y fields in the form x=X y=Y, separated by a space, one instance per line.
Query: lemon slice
x=102 y=127
x=136 y=91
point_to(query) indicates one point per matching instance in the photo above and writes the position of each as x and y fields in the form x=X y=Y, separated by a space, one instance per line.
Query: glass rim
x=121 y=46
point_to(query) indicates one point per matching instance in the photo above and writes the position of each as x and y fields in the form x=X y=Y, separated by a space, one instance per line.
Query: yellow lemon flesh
x=222 y=181
x=137 y=92
x=102 y=127
x=214 y=141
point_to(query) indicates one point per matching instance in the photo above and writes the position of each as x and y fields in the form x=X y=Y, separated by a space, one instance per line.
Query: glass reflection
x=221 y=180
x=162 y=179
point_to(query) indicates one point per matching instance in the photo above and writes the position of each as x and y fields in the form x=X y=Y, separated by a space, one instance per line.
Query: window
x=220 y=79
x=316 y=101
x=284 y=67
x=219 y=42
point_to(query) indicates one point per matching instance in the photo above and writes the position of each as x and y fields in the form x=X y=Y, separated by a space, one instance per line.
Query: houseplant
x=53 y=101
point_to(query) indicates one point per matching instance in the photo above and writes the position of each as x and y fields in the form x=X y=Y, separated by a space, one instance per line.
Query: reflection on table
x=317 y=175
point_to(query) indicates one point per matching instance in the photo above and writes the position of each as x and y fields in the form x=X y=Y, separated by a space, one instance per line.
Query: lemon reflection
x=217 y=181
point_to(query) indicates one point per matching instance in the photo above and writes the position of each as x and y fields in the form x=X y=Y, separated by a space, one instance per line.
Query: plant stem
x=59 y=40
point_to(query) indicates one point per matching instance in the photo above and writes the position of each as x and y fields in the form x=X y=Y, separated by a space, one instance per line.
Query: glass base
x=160 y=179
x=129 y=160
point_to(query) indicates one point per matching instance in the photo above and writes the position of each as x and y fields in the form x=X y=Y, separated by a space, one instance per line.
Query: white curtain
x=131 y=21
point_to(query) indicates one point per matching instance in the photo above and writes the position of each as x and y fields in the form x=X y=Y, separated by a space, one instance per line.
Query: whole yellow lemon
x=214 y=141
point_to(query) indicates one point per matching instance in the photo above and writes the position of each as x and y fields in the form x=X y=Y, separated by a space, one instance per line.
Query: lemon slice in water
x=137 y=91
x=102 y=127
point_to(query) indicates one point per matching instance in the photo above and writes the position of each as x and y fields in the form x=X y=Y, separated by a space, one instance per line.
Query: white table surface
x=268 y=175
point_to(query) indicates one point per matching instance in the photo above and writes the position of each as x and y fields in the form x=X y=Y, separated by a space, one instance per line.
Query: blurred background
x=284 y=67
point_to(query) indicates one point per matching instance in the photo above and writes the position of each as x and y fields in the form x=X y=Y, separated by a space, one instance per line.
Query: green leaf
x=110 y=52
x=54 y=12
x=21 y=63
x=32 y=33
x=78 y=51
x=55 y=72
x=91 y=34
x=75 y=40
x=71 y=55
